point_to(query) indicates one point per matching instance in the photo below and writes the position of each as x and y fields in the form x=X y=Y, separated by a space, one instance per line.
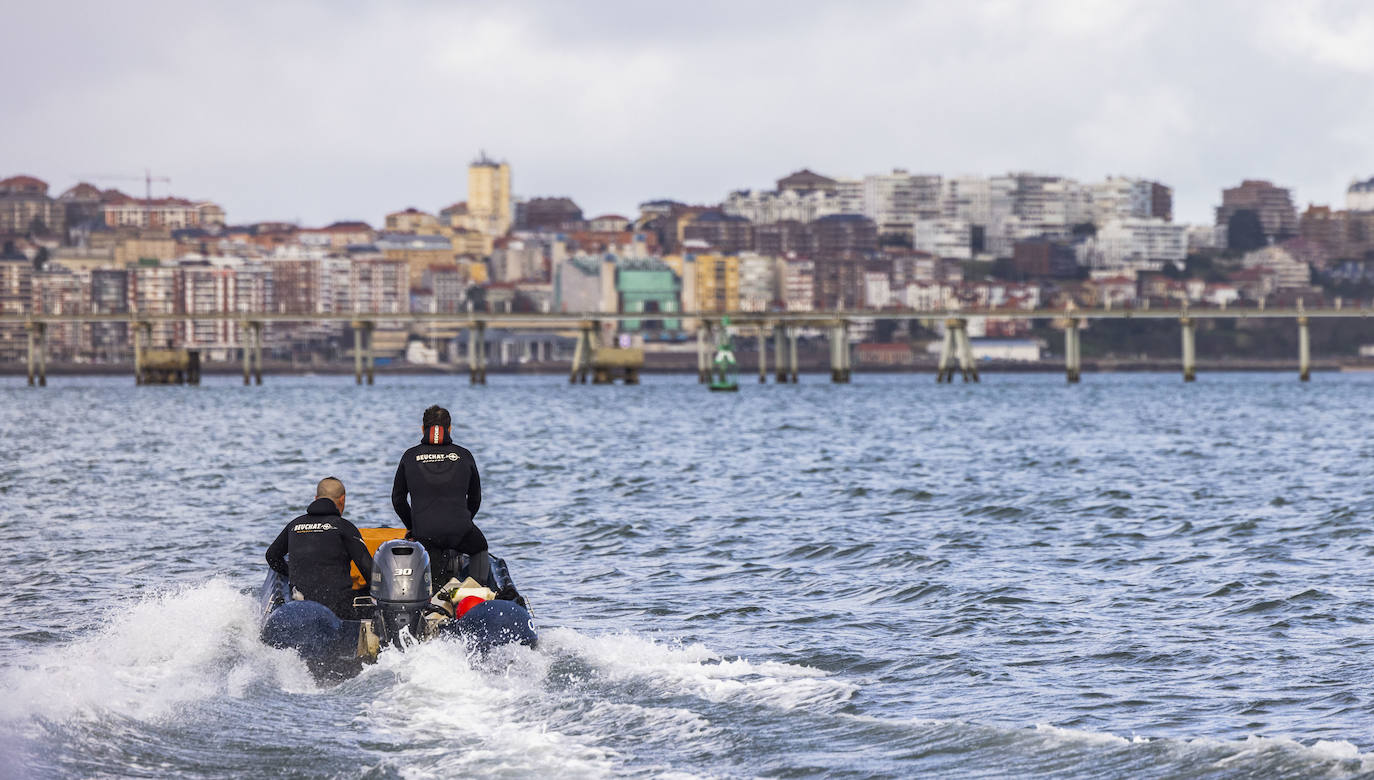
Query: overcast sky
x=317 y=111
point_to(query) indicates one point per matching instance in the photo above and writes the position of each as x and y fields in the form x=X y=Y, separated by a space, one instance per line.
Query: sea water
x=1132 y=577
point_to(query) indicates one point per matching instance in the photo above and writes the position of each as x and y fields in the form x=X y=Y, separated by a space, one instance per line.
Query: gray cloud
x=319 y=110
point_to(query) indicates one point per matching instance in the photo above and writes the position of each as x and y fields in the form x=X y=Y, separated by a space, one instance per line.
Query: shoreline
x=746 y=371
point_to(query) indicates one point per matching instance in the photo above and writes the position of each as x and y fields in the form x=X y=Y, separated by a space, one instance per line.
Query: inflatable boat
x=398 y=608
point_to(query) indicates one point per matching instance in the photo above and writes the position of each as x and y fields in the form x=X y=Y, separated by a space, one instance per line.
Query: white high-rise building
x=1141 y=244
x=1120 y=197
x=1360 y=196
x=766 y=207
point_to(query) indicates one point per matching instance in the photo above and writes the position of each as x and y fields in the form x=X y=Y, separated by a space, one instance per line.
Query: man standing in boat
x=445 y=493
x=314 y=551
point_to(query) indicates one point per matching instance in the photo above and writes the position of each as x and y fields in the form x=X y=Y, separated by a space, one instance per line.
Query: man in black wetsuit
x=445 y=493
x=314 y=550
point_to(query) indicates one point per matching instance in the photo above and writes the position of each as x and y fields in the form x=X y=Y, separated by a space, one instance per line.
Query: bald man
x=314 y=550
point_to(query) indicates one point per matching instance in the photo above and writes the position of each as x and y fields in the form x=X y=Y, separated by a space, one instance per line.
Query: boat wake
x=179 y=684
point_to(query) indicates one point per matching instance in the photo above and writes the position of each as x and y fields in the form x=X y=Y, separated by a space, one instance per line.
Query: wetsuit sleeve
x=276 y=553
x=474 y=491
x=398 y=494
x=358 y=552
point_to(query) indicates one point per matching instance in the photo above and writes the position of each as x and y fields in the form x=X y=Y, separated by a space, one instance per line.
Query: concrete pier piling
x=246 y=346
x=703 y=361
x=583 y=354
x=42 y=355
x=363 y=361
x=1073 y=365
x=141 y=334
x=38 y=354
x=30 y=330
x=763 y=355
x=956 y=346
x=1189 y=349
x=780 y=353
x=1304 y=351
x=478 y=373
x=839 y=353
x=967 y=365
x=943 y=371
x=357 y=356
x=792 y=353
x=256 y=328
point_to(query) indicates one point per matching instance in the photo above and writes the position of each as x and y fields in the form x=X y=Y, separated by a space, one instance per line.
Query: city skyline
x=333 y=114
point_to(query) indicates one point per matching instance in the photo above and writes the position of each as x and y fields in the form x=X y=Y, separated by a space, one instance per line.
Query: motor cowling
x=401 y=588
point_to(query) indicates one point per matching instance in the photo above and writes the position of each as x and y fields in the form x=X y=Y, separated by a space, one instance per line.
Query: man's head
x=436 y=417
x=333 y=489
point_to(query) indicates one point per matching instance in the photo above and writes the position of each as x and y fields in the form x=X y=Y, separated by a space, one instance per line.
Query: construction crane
x=147 y=178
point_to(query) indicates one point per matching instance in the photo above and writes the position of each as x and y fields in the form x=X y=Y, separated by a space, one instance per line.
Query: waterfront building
x=647 y=285
x=153 y=290
x=895 y=201
x=489 y=196
x=1273 y=205
x=169 y=213
x=57 y=290
x=717 y=282
x=379 y=285
x=951 y=238
x=16 y=296
x=608 y=223
x=417 y=252
x=448 y=284
x=1344 y=234
x=550 y=214
x=798 y=284
x=412 y=220
x=207 y=288
x=877 y=290
x=1288 y=271
x=82 y=209
x=839 y=279
x=805 y=181
x=928 y=296
x=722 y=232
x=1043 y=257
x=780 y=238
x=109 y=290
x=25 y=208
x=841 y=233
x=1120 y=197
x=1360 y=195
x=765 y=207
x=577 y=284
x=1136 y=243
x=337 y=236
x=516 y=260
x=758 y=281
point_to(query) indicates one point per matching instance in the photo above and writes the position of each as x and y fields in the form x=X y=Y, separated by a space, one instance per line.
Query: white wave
x=694 y=669
x=1060 y=734
x=447 y=715
x=162 y=653
x=1336 y=754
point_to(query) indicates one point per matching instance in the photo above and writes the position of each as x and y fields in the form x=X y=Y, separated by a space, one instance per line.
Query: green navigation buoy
x=723 y=364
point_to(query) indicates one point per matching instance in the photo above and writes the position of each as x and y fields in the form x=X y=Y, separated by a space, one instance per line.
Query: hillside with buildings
x=809 y=243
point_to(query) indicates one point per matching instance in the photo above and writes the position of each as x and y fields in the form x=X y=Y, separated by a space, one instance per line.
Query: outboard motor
x=400 y=585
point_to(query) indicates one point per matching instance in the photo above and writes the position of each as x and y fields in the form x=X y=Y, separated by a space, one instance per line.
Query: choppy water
x=1128 y=578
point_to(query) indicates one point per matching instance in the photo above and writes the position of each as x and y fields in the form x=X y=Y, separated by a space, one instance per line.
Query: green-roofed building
x=648 y=285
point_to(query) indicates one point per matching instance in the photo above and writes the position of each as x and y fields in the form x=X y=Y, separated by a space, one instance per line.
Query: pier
x=599 y=363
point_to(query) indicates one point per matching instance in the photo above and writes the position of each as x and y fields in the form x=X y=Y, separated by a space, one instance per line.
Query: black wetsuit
x=445 y=493
x=314 y=550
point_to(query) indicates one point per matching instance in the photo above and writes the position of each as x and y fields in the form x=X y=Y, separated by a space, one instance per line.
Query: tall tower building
x=489 y=198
